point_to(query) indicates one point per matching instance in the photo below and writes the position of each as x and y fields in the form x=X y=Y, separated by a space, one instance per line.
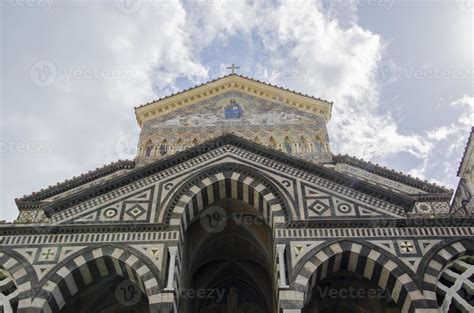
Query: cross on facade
x=233 y=67
x=47 y=254
x=406 y=246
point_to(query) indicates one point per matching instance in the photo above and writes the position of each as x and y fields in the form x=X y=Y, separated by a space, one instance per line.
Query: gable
x=233 y=110
x=228 y=83
x=309 y=193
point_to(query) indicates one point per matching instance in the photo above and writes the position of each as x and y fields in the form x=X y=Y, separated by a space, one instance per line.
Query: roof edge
x=175 y=96
x=159 y=165
x=391 y=174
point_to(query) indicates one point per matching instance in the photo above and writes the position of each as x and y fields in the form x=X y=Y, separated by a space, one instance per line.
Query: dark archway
x=349 y=292
x=111 y=294
x=229 y=264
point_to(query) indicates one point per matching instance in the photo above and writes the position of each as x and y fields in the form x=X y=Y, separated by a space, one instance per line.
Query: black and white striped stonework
x=369 y=263
x=438 y=262
x=455 y=290
x=89 y=267
x=211 y=187
x=16 y=283
x=8 y=292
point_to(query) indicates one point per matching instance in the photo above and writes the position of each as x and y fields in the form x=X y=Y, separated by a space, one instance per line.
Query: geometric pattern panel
x=321 y=204
x=300 y=248
x=134 y=207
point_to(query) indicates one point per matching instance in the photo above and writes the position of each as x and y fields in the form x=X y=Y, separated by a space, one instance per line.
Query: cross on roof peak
x=233 y=67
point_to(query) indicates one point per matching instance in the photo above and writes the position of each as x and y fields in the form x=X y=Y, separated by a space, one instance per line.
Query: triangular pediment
x=238 y=83
x=142 y=194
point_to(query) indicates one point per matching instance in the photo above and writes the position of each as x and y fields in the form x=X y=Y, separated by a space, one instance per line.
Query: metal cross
x=233 y=68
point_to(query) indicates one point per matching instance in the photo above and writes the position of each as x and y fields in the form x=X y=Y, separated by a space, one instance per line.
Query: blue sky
x=399 y=73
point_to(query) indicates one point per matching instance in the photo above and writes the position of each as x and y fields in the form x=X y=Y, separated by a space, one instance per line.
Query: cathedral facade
x=236 y=204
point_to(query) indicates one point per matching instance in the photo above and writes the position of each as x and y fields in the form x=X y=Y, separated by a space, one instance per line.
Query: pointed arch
x=88 y=266
x=148 y=148
x=164 y=147
x=256 y=140
x=226 y=181
x=287 y=144
x=272 y=143
x=195 y=142
x=318 y=144
x=365 y=260
x=303 y=144
x=179 y=145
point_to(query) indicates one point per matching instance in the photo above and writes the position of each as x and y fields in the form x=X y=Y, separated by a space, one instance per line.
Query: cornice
x=467 y=151
x=388 y=223
x=235 y=82
x=32 y=201
x=391 y=174
x=420 y=221
x=39 y=229
x=228 y=139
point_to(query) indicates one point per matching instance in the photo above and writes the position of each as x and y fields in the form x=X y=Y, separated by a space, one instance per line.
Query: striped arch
x=21 y=276
x=228 y=181
x=438 y=260
x=90 y=266
x=366 y=261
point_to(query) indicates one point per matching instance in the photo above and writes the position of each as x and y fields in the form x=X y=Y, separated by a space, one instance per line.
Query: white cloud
x=296 y=43
x=440 y=133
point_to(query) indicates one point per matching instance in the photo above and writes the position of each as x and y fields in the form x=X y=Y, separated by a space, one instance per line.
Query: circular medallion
x=344 y=208
x=110 y=213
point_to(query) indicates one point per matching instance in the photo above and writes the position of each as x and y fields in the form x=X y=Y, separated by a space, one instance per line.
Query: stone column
x=173 y=251
x=282 y=265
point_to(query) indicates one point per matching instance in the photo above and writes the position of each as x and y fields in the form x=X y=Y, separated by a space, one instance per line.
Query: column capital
x=280 y=248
